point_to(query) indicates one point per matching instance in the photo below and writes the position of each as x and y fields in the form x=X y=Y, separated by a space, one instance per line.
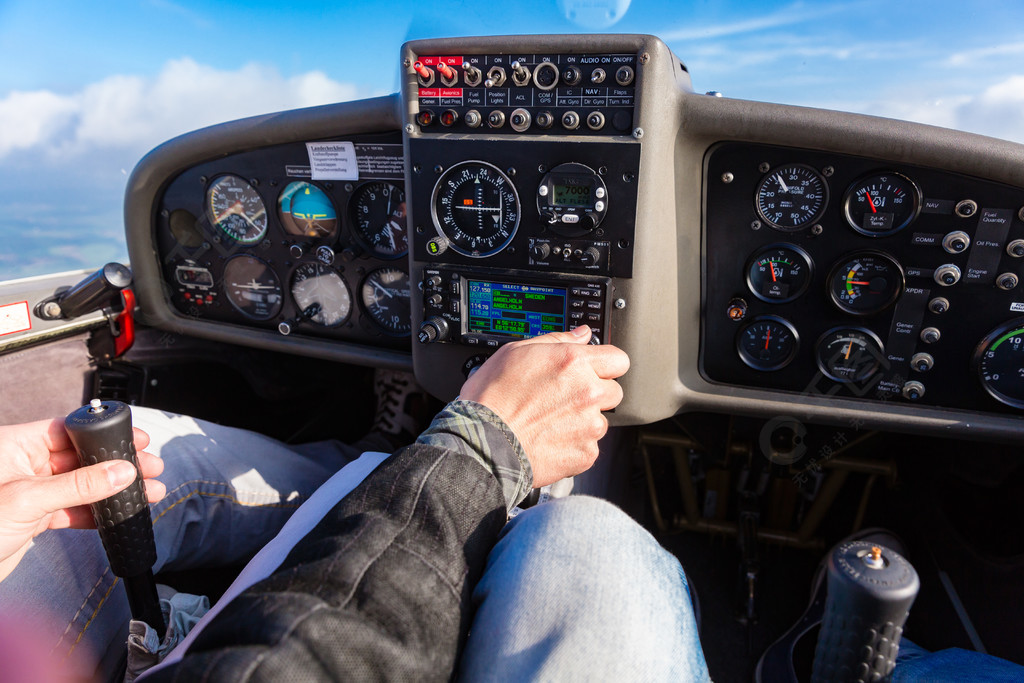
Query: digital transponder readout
x=573 y=195
x=515 y=310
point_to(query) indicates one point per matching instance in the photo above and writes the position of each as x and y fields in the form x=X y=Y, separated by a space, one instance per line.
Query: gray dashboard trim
x=148 y=179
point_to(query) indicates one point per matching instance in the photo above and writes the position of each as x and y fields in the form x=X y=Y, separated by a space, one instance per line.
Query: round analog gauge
x=849 y=354
x=252 y=287
x=378 y=213
x=999 y=360
x=476 y=207
x=779 y=273
x=866 y=283
x=306 y=210
x=767 y=343
x=385 y=296
x=321 y=294
x=882 y=204
x=791 y=197
x=236 y=209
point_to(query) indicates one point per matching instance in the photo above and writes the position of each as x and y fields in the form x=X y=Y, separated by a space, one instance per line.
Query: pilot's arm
x=382 y=586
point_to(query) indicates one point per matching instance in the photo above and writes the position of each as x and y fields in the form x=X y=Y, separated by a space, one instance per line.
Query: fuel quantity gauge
x=866 y=283
x=767 y=343
x=779 y=273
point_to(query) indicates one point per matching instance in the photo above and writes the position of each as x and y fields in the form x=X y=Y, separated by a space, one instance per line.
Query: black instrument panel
x=259 y=239
x=834 y=275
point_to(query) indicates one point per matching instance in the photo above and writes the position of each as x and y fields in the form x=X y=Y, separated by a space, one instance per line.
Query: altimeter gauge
x=378 y=216
x=476 y=207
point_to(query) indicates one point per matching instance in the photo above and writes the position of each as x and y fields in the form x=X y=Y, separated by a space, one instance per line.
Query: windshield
x=88 y=91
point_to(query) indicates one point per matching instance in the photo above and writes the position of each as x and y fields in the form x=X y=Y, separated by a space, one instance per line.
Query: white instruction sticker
x=14 y=318
x=1017 y=306
x=333 y=160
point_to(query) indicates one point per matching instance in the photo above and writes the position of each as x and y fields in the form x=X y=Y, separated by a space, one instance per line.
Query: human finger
x=577 y=335
x=155 y=490
x=80 y=486
x=607 y=361
x=80 y=516
x=150 y=465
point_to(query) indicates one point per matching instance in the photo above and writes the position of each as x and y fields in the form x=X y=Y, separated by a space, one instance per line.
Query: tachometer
x=252 y=287
x=791 y=197
x=882 y=204
x=318 y=286
x=999 y=359
x=235 y=208
x=866 y=283
x=306 y=210
x=378 y=212
x=385 y=296
x=476 y=207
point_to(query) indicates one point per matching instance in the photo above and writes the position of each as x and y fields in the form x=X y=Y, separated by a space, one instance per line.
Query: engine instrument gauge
x=252 y=287
x=999 y=360
x=236 y=209
x=306 y=210
x=779 y=273
x=378 y=213
x=791 y=197
x=476 y=207
x=882 y=204
x=385 y=296
x=767 y=343
x=866 y=283
x=849 y=354
x=314 y=284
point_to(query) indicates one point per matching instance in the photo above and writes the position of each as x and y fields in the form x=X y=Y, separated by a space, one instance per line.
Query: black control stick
x=102 y=431
x=870 y=591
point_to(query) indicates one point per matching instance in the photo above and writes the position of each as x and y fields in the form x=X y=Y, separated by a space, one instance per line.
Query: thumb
x=82 y=486
x=577 y=335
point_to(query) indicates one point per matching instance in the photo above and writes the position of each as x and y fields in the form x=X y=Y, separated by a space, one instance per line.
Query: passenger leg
x=229 y=491
x=576 y=590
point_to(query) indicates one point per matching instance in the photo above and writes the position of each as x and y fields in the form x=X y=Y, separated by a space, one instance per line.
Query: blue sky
x=88 y=88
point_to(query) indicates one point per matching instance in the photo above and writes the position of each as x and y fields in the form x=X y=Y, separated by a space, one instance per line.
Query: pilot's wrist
x=475 y=430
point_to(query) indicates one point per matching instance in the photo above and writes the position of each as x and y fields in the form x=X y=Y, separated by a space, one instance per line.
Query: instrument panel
x=834 y=275
x=276 y=239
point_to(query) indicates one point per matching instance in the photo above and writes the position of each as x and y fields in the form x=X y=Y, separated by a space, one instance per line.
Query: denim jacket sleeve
x=381 y=588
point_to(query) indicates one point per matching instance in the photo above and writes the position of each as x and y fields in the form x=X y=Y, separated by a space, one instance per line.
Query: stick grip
x=100 y=432
x=870 y=591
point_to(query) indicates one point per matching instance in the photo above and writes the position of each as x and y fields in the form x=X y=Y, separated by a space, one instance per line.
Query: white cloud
x=971 y=57
x=796 y=13
x=133 y=112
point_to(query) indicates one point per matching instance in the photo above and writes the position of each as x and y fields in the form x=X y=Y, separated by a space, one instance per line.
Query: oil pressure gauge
x=791 y=197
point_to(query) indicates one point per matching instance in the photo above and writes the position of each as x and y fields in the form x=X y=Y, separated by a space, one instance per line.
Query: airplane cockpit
x=823 y=310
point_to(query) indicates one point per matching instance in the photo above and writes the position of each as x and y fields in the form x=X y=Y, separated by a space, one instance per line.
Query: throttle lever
x=102 y=431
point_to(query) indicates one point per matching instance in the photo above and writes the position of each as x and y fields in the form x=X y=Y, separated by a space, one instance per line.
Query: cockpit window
x=94 y=90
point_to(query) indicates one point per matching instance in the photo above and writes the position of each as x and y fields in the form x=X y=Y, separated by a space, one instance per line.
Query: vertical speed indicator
x=476 y=207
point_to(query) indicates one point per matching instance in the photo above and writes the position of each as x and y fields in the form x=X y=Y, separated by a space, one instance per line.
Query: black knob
x=297 y=250
x=571 y=75
x=433 y=281
x=100 y=432
x=433 y=329
x=590 y=256
x=434 y=300
x=545 y=119
x=540 y=251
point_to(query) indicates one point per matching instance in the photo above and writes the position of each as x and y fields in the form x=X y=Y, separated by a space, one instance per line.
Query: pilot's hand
x=42 y=486
x=551 y=390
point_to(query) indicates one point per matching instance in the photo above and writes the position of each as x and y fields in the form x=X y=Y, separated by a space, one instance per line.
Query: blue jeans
x=229 y=492
x=577 y=590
